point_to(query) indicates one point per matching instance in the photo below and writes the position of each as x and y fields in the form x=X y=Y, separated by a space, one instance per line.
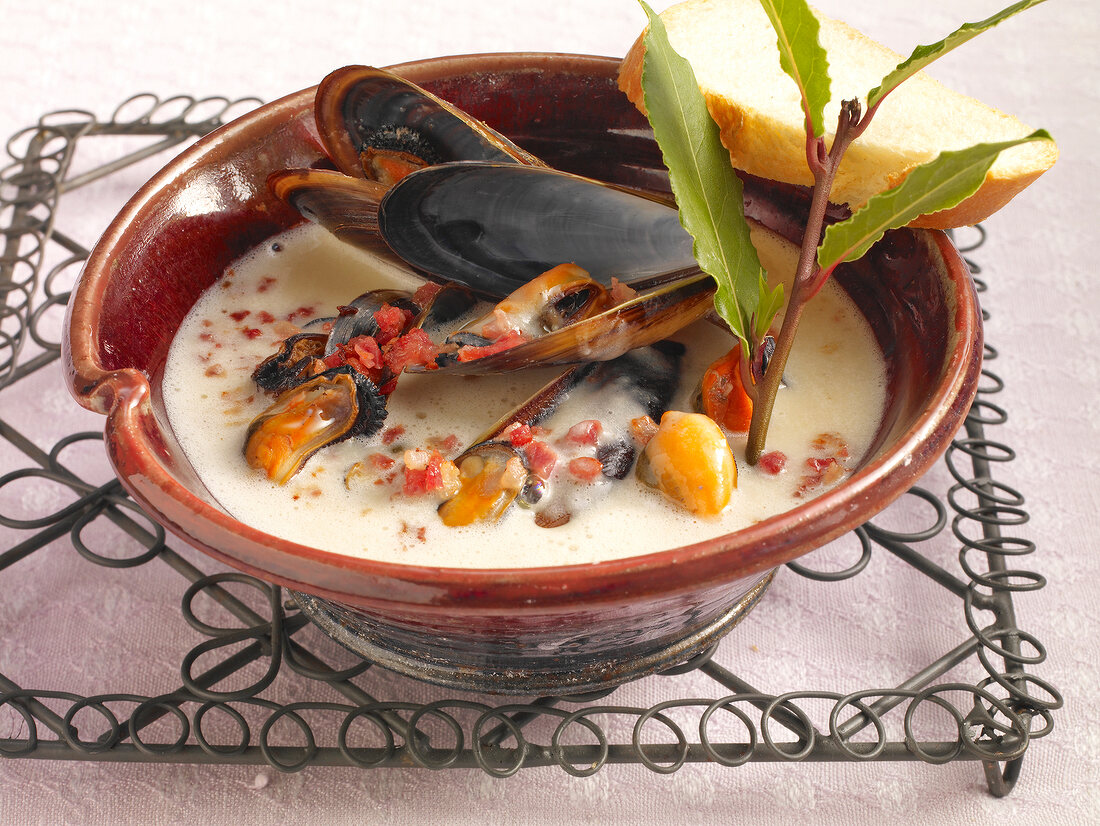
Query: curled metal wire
x=36 y=175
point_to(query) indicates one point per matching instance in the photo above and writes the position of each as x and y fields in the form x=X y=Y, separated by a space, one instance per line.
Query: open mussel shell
x=493 y=475
x=362 y=108
x=640 y=321
x=328 y=408
x=347 y=207
x=496 y=474
x=493 y=227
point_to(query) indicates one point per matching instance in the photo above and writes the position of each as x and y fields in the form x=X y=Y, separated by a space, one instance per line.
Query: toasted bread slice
x=731 y=46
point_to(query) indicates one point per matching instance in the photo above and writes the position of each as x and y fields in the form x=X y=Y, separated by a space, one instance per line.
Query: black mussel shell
x=493 y=227
x=362 y=108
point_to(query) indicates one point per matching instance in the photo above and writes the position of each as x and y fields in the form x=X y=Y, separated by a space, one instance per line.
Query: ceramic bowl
x=559 y=630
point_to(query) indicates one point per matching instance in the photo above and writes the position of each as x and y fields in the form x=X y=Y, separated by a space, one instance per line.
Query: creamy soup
x=348 y=497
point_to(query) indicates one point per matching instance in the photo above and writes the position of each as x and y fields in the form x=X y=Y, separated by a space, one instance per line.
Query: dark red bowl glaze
x=574 y=627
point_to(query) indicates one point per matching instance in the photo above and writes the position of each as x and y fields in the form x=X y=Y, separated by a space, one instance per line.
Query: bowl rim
x=123 y=395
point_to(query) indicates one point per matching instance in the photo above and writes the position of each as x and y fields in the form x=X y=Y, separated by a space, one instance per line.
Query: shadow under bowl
x=561 y=630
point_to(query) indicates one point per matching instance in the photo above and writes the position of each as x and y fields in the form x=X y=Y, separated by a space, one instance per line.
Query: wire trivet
x=201 y=721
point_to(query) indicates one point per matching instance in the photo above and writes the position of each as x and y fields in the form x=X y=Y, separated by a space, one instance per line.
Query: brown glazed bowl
x=559 y=630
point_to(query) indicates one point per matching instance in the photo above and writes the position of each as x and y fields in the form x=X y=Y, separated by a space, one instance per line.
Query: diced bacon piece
x=620 y=292
x=518 y=434
x=541 y=458
x=585 y=468
x=240 y=315
x=821 y=472
x=586 y=432
x=508 y=341
x=417 y=458
x=425 y=475
x=392 y=434
x=415 y=347
x=773 y=462
x=367 y=352
x=265 y=317
x=643 y=429
x=391 y=322
x=362 y=353
x=425 y=293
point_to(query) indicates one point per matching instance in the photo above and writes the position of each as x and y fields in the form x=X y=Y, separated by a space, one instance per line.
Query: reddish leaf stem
x=809 y=278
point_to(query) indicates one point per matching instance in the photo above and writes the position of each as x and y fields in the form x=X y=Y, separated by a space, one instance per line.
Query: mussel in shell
x=589 y=410
x=376 y=127
x=323 y=410
x=600 y=328
x=371 y=122
x=331 y=384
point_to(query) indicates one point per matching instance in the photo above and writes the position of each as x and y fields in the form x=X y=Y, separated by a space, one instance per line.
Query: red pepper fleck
x=392 y=434
x=252 y=332
x=301 y=312
x=773 y=462
x=240 y=315
x=265 y=317
x=265 y=284
x=380 y=461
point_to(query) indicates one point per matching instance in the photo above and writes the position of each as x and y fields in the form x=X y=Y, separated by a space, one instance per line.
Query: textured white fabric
x=872 y=630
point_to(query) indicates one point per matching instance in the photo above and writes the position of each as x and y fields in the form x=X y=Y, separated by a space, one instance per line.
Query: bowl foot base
x=470 y=668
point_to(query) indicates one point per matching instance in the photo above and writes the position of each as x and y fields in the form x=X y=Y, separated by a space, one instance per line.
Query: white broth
x=836 y=394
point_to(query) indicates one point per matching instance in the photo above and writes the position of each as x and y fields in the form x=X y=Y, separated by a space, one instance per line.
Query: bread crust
x=773 y=146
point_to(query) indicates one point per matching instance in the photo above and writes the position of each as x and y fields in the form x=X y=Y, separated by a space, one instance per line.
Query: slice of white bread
x=731 y=46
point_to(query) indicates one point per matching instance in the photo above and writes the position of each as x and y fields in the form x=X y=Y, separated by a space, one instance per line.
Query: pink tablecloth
x=69 y=625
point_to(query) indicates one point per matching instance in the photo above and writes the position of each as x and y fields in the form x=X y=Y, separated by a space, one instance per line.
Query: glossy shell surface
x=564 y=629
